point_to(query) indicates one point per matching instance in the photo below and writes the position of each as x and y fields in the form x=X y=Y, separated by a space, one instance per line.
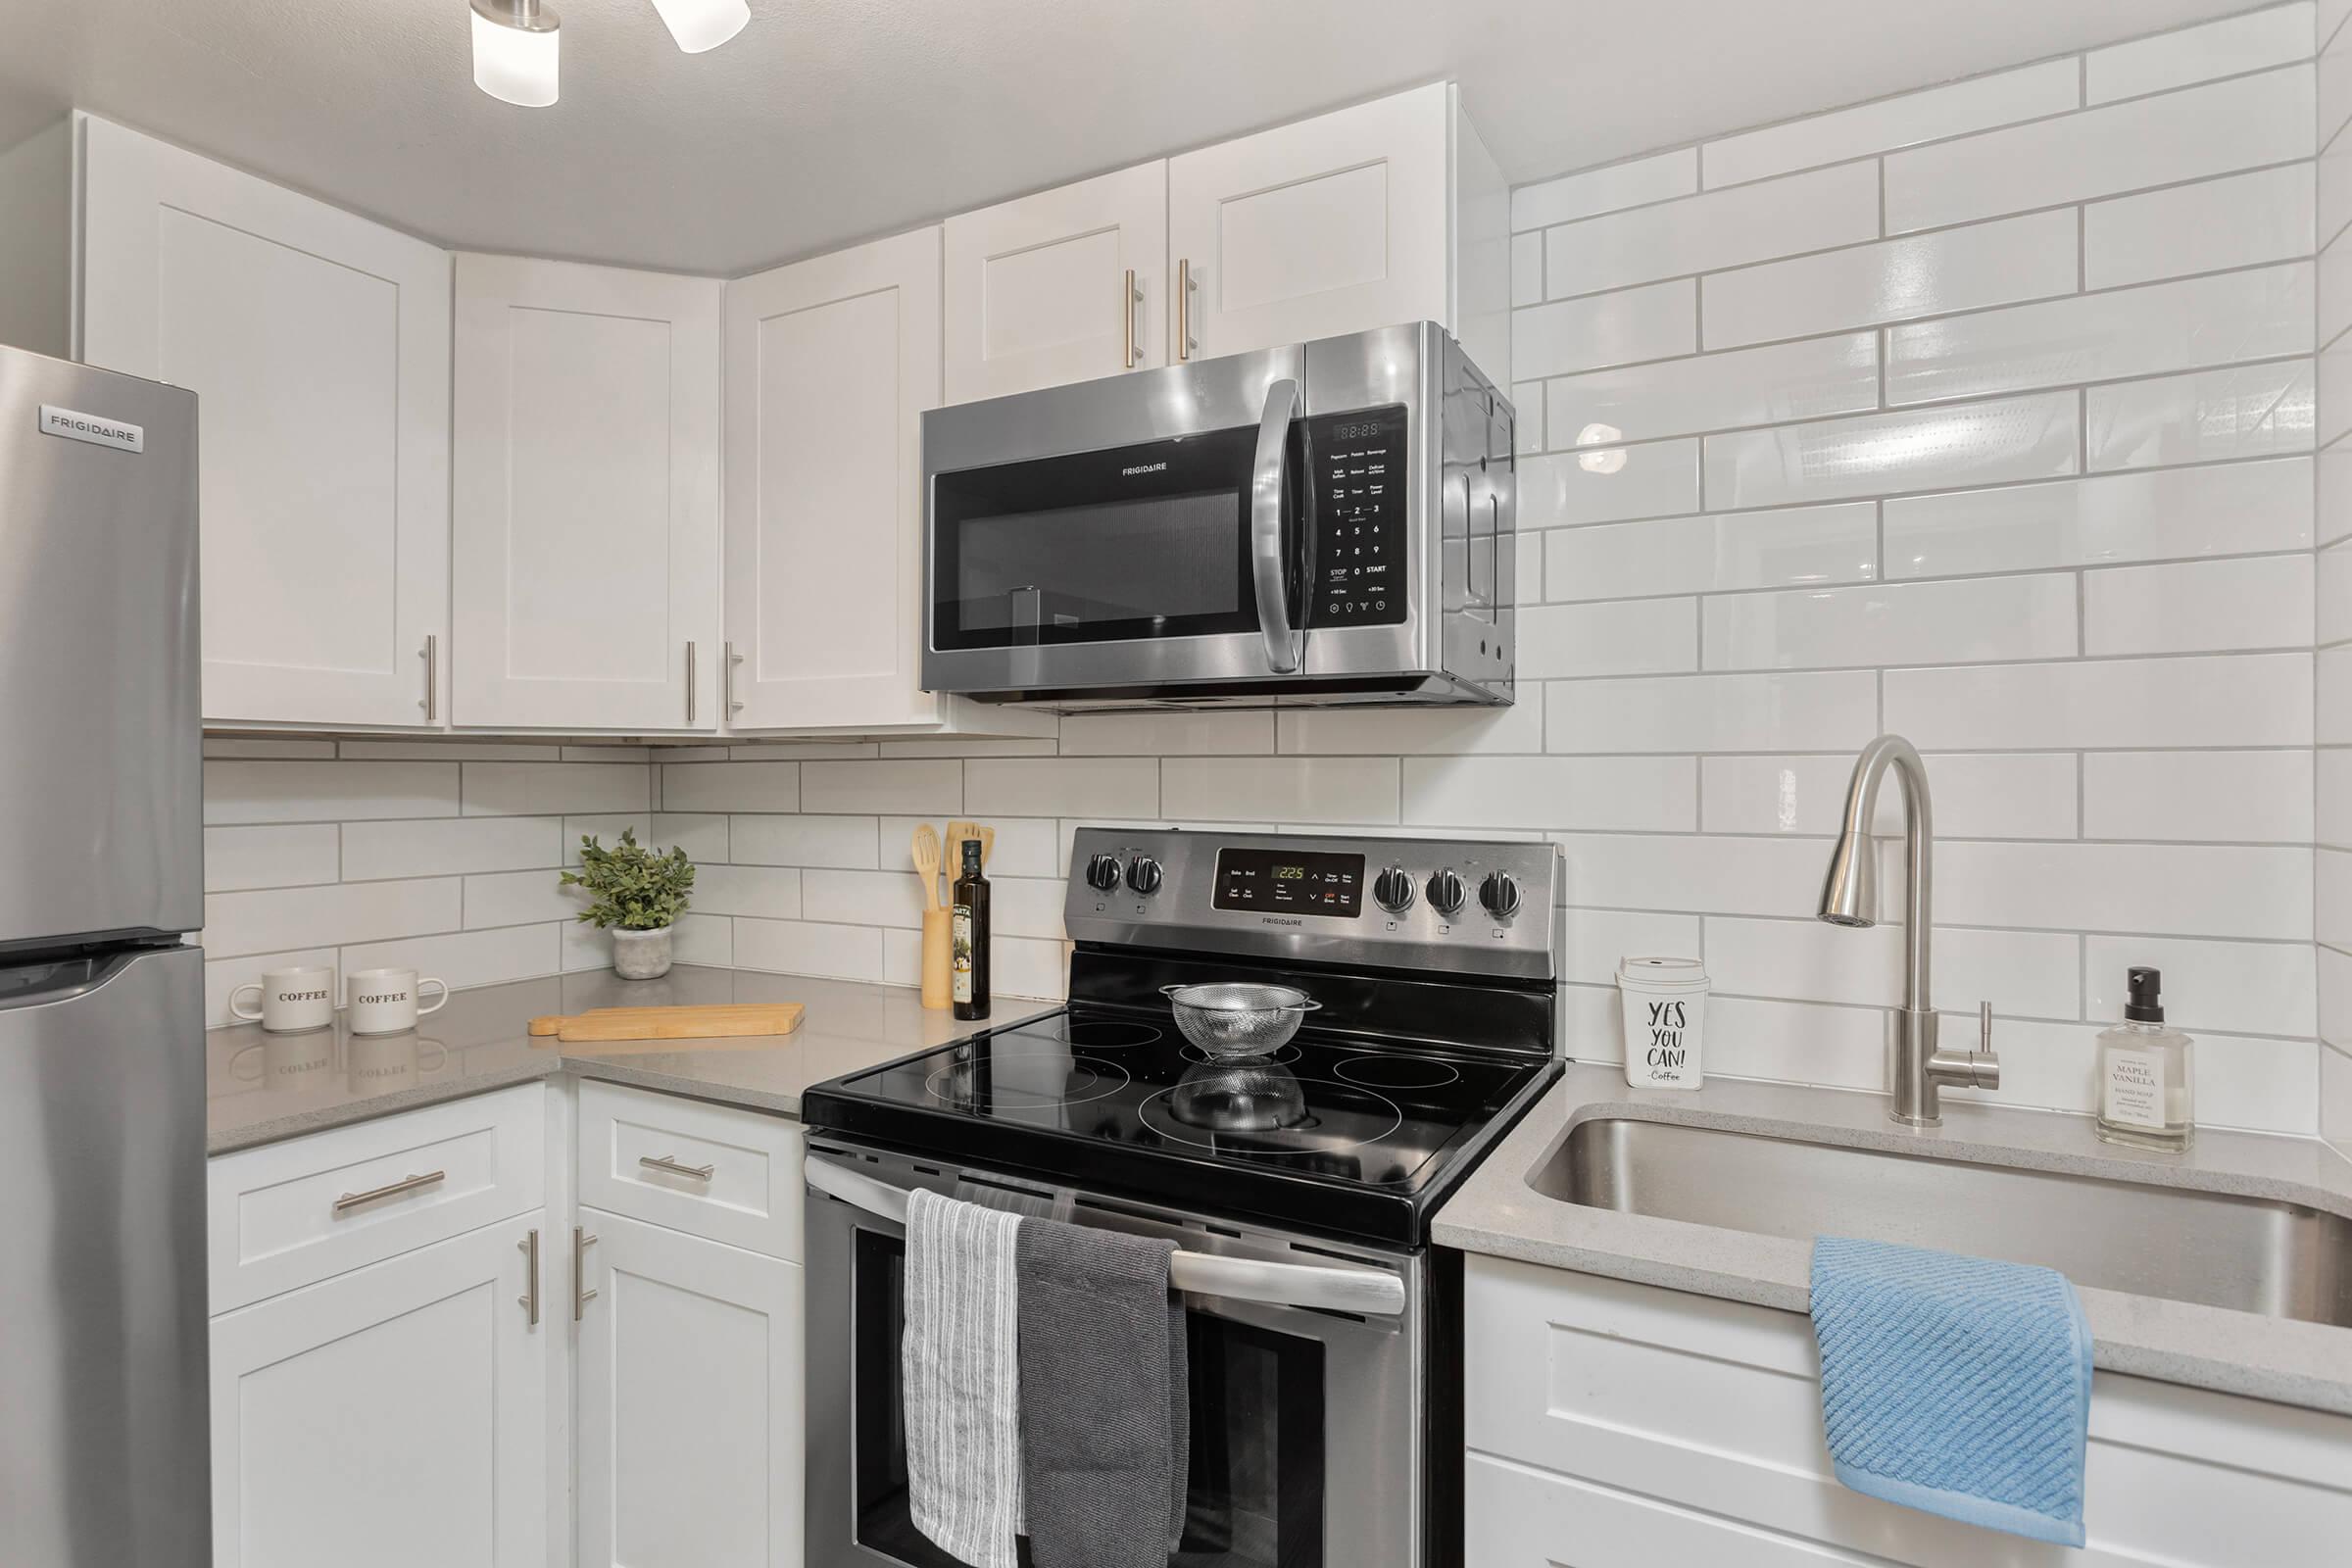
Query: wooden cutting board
x=708 y=1021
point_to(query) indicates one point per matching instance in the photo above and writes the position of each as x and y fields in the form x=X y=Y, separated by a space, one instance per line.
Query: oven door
x=1306 y=1425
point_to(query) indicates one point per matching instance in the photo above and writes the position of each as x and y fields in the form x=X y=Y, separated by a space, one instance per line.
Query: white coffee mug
x=383 y=1001
x=289 y=999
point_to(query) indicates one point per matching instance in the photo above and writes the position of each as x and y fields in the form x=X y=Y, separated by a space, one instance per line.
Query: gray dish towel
x=1105 y=1428
x=961 y=1370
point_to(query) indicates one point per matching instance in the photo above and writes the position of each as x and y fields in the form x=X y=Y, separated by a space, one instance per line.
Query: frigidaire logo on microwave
x=1145 y=467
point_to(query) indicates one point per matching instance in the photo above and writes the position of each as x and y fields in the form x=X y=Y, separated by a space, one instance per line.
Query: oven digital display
x=1290 y=882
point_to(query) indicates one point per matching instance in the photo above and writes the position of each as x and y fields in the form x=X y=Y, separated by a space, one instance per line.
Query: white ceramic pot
x=641 y=954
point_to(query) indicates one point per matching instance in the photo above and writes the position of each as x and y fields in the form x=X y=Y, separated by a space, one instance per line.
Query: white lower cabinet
x=688 y=1388
x=1612 y=1425
x=388 y=1417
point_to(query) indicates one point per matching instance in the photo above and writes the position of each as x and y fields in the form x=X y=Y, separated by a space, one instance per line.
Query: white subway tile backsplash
x=832 y=841
x=2225 y=510
x=2147 y=330
x=374 y=852
x=1774 y=385
x=2254 y=41
x=2262 y=1085
x=1763 y=713
x=1625 y=637
x=2241 y=220
x=1773 y=549
x=254 y=747
x=2334 y=678
x=1601 y=794
x=1593 y=942
x=1027 y=907
x=1979 y=104
x=1807 y=212
x=701 y=834
x=939 y=745
x=1213 y=732
x=1797 y=1042
x=1280 y=789
x=543 y=789
x=730 y=786
x=1607 y=189
x=1894 y=624
x=2331 y=904
x=2160 y=889
x=1608 y=484
x=270 y=857
x=1109 y=787
x=1687 y=873
x=1990 y=795
x=2229 y=700
x=282 y=919
x=326 y=792
x=768 y=891
x=2247 y=797
x=1527 y=268
x=810 y=947
x=1026 y=968
x=907 y=787
x=1527 y=401
x=2247 y=987
x=861 y=897
x=1627 y=326
x=1441 y=731
x=2003 y=262
x=1926 y=449
x=2035 y=974
x=2333 y=811
x=468 y=958
x=2200 y=131
x=519 y=898
x=2248 y=410
x=2198 y=606
x=2334 y=175
x=2335 y=624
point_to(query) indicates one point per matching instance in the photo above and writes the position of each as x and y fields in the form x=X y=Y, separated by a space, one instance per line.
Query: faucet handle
x=1984 y=1027
x=1984 y=1066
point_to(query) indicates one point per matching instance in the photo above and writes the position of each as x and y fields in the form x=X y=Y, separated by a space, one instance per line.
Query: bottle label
x=962 y=940
x=2135 y=1093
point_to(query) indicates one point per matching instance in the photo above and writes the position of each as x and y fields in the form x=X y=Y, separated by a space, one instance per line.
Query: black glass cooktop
x=1329 y=1132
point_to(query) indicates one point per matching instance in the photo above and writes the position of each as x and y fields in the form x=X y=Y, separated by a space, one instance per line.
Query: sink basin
x=2250 y=1253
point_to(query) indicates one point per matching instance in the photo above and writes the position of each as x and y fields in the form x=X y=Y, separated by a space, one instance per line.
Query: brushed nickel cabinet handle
x=582 y=1296
x=407 y=1184
x=1127 y=304
x=669 y=1163
x=431 y=655
x=733 y=659
x=690 y=650
x=528 y=1301
x=1184 y=308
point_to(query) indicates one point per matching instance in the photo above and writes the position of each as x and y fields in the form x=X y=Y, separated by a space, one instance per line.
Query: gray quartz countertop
x=261 y=1088
x=1498 y=1213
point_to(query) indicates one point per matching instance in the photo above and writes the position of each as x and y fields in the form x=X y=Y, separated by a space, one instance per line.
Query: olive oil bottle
x=970 y=899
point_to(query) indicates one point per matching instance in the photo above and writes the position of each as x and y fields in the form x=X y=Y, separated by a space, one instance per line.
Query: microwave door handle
x=1267 y=569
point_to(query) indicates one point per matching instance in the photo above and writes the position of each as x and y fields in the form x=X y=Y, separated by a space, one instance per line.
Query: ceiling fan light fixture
x=700 y=25
x=516 y=49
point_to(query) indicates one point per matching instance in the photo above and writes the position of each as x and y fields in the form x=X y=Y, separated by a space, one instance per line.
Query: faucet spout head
x=1849 y=896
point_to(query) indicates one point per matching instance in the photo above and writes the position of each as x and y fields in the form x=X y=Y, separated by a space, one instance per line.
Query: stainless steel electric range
x=1324 y=1332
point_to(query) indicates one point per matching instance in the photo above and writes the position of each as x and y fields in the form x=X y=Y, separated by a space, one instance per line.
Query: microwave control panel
x=1358 y=463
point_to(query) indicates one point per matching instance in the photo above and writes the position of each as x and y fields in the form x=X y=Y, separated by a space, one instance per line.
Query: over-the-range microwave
x=1328 y=522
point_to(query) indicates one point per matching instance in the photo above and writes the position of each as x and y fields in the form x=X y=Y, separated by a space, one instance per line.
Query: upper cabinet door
x=1065 y=285
x=830 y=365
x=1334 y=225
x=317 y=344
x=586 y=498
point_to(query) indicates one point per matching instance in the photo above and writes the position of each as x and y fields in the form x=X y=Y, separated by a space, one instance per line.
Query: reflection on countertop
x=261 y=1088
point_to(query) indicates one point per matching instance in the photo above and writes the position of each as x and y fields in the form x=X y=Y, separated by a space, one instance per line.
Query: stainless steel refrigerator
x=103 y=1455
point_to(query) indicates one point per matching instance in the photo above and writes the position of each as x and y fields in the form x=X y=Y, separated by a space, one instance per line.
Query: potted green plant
x=636 y=894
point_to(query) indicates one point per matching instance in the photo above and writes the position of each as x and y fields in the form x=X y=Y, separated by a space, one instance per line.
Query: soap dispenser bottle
x=2144 y=1090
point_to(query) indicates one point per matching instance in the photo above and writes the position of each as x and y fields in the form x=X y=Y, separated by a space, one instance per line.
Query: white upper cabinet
x=317 y=345
x=830 y=365
x=586 y=498
x=1328 y=226
x=1065 y=285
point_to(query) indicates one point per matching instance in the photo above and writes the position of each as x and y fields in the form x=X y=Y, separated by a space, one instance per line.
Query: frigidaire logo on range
x=76 y=426
x=1145 y=467
x=1280 y=919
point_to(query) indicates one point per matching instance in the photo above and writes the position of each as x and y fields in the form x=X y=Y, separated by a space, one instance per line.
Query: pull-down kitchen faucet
x=1850 y=897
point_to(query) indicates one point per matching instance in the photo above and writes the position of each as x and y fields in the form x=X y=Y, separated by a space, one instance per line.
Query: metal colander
x=1232 y=1021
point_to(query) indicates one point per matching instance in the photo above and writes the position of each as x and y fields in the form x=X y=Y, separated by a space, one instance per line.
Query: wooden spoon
x=957 y=832
x=927 y=863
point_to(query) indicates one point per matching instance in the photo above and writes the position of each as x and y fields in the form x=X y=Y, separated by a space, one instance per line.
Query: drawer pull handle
x=407 y=1184
x=669 y=1163
x=529 y=1300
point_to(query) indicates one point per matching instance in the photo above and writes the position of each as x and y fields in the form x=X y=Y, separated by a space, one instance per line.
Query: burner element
x=1106 y=1034
x=1023 y=1078
x=1280 y=1055
x=1244 y=1099
x=1345 y=1117
x=1397 y=1072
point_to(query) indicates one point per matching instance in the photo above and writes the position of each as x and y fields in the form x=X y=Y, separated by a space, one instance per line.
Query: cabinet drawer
x=295 y=1212
x=713 y=1171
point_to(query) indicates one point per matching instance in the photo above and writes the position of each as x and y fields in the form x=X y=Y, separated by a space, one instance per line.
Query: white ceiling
x=831 y=120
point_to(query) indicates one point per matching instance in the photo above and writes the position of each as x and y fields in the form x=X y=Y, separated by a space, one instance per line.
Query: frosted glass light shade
x=515 y=64
x=700 y=25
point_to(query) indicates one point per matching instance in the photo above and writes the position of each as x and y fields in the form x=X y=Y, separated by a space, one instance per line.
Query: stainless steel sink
x=2250 y=1253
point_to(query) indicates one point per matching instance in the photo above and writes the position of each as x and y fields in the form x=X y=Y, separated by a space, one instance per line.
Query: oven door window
x=1123 y=545
x=1257 y=1454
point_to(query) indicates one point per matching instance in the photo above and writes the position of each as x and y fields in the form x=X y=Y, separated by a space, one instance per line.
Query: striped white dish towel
x=962 y=1378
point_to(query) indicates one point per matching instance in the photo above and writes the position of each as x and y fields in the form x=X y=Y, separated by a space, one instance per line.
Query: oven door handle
x=1284 y=644
x=1366 y=1292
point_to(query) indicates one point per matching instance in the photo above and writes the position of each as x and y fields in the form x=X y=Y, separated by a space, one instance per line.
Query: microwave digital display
x=1290 y=882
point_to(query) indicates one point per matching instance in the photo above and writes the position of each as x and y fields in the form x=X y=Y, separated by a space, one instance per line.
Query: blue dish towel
x=1954 y=1385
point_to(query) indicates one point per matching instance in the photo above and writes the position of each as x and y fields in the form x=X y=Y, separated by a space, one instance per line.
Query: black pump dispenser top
x=2147 y=1004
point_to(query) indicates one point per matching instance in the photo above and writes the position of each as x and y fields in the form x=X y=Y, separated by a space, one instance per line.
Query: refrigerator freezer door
x=102 y=1375
x=100 y=779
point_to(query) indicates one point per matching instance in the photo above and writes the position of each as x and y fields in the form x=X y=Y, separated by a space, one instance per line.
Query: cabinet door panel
x=392 y=1416
x=1330 y=225
x=586 y=497
x=1037 y=288
x=830 y=363
x=317 y=344
x=690 y=1406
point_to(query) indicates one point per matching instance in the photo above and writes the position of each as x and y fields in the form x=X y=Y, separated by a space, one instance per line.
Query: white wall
x=2334 y=850
x=1985 y=414
x=36 y=227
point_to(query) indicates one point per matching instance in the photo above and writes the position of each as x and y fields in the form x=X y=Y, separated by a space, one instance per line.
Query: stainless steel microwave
x=1327 y=522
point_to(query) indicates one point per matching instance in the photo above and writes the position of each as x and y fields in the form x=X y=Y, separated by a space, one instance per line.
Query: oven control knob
x=1445 y=893
x=1142 y=874
x=1102 y=873
x=1393 y=889
x=1500 y=894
